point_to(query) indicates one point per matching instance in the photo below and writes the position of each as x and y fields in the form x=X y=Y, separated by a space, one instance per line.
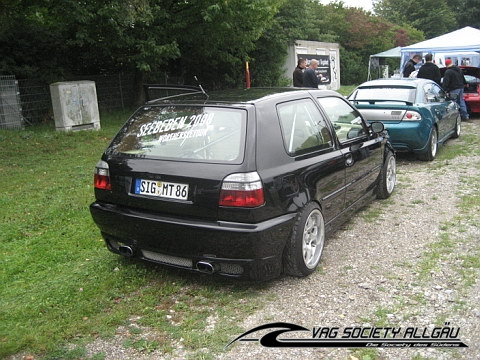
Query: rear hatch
x=390 y=104
x=472 y=76
x=171 y=160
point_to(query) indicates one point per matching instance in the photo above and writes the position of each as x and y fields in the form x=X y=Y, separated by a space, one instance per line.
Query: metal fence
x=113 y=92
x=10 y=107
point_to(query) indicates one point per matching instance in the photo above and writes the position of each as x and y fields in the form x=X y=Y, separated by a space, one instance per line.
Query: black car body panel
x=193 y=228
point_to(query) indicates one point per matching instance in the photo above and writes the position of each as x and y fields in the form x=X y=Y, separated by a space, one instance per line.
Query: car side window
x=346 y=120
x=303 y=127
x=434 y=93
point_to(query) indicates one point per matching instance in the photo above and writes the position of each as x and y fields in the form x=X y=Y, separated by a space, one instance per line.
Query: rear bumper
x=408 y=136
x=233 y=249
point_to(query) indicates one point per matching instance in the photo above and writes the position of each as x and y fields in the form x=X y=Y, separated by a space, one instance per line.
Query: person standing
x=298 y=73
x=430 y=71
x=410 y=65
x=310 y=78
x=454 y=83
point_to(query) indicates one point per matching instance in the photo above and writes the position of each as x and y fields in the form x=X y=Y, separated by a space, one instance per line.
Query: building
x=328 y=56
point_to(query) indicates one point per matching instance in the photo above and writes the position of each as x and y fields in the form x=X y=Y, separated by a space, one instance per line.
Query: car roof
x=407 y=82
x=242 y=96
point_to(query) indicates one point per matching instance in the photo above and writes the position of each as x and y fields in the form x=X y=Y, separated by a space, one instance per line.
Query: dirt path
x=402 y=262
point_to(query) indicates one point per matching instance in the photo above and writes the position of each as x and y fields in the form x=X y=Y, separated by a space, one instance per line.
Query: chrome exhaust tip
x=206 y=267
x=126 y=251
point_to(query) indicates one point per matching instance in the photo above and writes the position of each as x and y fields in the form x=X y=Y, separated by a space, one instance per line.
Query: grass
x=58 y=283
x=346 y=90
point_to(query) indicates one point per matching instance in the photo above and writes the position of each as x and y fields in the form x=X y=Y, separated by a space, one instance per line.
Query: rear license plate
x=161 y=189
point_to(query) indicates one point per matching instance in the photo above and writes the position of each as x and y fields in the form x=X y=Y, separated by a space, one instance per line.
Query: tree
x=360 y=35
x=433 y=17
x=467 y=12
x=209 y=37
x=293 y=22
x=220 y=36
x=27 y=40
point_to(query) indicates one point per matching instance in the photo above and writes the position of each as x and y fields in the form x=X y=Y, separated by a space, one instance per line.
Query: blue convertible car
x=417 y=113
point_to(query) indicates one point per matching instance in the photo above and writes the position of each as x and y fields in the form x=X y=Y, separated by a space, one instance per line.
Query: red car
x=472 y=90
x=471 y=93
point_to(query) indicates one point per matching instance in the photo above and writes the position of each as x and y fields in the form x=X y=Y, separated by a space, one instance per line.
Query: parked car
x=417 y=113
x=244 y=183
x=471 y=93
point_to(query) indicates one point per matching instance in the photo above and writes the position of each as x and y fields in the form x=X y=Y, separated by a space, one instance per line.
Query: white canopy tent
x=375 y=60
x=458 y=45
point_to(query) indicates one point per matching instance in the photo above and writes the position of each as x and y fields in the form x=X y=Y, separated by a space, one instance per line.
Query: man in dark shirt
x=430 y=71
x=454 y=83
x=310 y=78
x=298 y=73
x=410 y=65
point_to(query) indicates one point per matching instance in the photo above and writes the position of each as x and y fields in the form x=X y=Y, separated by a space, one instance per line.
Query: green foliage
x=270 y=51
x=210 y=39
x=467 y=12
x=433 y=17
x=360 y=35
x=207 y=38
x=352 y=67
x=218 y=38
x=27 y=41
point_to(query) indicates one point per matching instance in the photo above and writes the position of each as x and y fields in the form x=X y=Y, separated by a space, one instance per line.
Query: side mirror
x=377 y=127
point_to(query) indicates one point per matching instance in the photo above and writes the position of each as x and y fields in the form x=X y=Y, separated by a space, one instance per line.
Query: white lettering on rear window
x=178 y=124
x=182 y=135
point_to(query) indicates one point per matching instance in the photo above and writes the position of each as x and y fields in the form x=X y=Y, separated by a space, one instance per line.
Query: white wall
x=327 y=53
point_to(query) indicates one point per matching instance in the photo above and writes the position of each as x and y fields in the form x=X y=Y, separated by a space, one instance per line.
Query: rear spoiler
x=380 y=101
x=158 y=92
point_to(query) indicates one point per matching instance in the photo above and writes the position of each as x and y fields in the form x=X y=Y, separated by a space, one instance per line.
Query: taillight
x=412 y=116
x=242 y=190
x=101 y=178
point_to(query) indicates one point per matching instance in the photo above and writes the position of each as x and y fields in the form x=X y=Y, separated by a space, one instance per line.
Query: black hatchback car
x=244 y=183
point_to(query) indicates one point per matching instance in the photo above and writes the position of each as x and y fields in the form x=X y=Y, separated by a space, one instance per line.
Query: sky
x=366 y=4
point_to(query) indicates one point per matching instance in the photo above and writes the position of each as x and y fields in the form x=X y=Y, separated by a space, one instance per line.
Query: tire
x=388 y=177
x=458 y=127
x=432 y=146
x=304 y=249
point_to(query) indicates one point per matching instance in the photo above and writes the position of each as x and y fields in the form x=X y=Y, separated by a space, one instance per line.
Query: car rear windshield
x=404 y=94
x=188 y=133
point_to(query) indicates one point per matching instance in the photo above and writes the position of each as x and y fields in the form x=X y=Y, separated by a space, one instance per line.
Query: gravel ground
x=373 y=267
x=372 y=272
